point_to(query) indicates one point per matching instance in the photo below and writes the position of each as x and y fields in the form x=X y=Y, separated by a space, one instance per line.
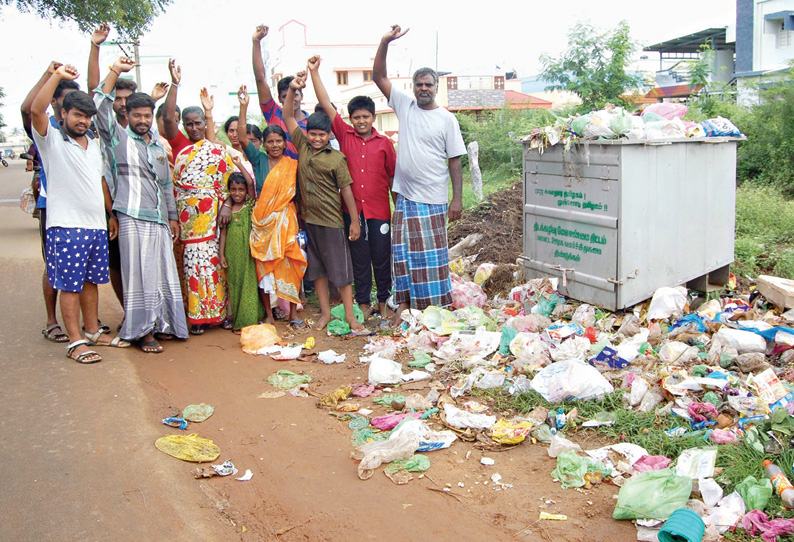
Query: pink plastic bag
x=702 y=412
x=651 y=462
x=384 y=423
x=466 y=294
x=363 y=390
x=667 y=110
x=720 y=436
x=756 y=521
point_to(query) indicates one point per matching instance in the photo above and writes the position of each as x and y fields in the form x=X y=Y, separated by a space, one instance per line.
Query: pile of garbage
x=657 y=122
x=718 y=367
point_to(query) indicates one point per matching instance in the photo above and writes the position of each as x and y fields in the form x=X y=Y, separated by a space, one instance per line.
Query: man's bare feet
x=366 y=309
x=385 y=311
x=354 y=325
x=323 y=321
x=269 y=320
x=396 y=320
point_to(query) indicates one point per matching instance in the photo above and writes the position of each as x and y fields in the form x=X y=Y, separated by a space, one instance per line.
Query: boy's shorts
x=328 y=255
x=76 y=256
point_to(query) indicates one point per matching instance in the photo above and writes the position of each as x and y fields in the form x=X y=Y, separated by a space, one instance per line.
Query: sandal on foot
x=150 y=347
x=102 y=328
x=59 y=337
x=279 y=314
x=86 y=357
x=227 y=324
x=164 y=337
x=196 y=330
x=298 y=325
x=93 y=340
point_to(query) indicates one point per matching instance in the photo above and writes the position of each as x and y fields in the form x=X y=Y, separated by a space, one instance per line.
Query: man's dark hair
x=126 y=84
x=318 y=121
x=361 y=102
x=229 y=122
x=139 y=99
x=253 y=129
x=63 y=85
x=161 y=111
x=320 y=109
x=283 y=83
x=193 y=109
x=273 y=129
x=426 y=71
x=81 y=101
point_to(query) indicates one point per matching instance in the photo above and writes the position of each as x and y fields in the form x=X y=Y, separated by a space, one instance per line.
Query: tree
x=130 y=17
x=2 y=95
x=594 y=65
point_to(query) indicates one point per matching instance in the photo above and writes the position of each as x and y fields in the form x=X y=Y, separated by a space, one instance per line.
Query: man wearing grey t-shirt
x=427 y=156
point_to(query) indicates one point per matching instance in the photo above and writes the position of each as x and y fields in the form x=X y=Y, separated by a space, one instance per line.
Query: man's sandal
x=149 y=347
x=85 y=357
x=93 y=340
x=59 y=337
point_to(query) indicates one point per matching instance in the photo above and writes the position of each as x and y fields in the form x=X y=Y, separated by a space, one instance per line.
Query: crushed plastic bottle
x=780 y=482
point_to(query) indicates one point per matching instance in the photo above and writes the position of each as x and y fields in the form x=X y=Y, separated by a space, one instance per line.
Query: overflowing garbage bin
x=617 y=219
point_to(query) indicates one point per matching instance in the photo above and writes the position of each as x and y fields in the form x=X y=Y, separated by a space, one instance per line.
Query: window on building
x=499 y=82
x=784 y=37
x=452 y=83
x=341 y=78
x=368 y=75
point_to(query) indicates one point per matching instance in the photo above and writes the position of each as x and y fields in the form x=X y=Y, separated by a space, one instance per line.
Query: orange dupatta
x=274 y=225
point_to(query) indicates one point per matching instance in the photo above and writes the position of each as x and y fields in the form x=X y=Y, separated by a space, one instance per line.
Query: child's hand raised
x=242 y=95
x=313 y=64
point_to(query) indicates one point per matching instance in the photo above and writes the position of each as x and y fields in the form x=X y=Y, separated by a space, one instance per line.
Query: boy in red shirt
x=371 y=160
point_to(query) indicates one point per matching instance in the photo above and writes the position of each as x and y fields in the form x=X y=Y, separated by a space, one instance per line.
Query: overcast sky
x=212 y=41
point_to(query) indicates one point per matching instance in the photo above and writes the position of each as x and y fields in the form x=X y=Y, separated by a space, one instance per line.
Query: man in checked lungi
x=428 y=154
x=146 y=211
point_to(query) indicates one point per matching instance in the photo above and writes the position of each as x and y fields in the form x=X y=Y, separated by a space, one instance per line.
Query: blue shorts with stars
x=76 y=256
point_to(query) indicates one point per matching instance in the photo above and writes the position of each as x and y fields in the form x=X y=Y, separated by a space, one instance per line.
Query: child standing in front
x=244 y=305
x=371 y=160
x=324 y=182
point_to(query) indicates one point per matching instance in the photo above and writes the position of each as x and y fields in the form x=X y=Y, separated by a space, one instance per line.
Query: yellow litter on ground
x=189 y=448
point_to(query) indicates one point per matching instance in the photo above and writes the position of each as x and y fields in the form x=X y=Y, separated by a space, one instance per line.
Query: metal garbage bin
x=617 y=219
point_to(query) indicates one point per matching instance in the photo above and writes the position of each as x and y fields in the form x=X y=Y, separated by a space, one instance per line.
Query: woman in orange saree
x=280 y=262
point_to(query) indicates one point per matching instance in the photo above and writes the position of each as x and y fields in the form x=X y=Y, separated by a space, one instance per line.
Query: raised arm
x=26 y=105
x=158 y=91
x=379 y=73
x=313 y=65
x=97 y=38
x=171 y=127
x=299 y=83
x=262 y=87
x=242 y=118
x=208 y=103
x=38 y=109
x=120 y=66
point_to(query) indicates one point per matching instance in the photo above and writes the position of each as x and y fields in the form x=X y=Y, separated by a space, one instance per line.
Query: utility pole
x=137 y=62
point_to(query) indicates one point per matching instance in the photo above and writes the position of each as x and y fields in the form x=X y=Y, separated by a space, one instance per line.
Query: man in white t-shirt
x=76 y=241
x=428 y=155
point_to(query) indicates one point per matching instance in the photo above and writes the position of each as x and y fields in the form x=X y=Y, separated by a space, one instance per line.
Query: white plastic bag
x=401 y=444
x=584 y=316
x=743 y=341
x=529 y=350
x=667 y=302
x=385 y=371
x=561 y=444
x=570 y=380
x=677 y=353
x=575 y=348
x=462 y=419
x=491 y=379
x=638 y=390
x=710 y=491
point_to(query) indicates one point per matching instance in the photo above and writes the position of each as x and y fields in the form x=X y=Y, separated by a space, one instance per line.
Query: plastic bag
x=439 y=321
x=506 y=432
x=286 y=380
x=710 y=491
x=754 y=492
x=401 y=444
x=571 y=469
x=197 y=413
x=508 y=334
x=416 y=463
x=189 y=448
x=667 y=302
x=483 y=273
x=579 y=123
x=575 y=348
x=466 y=293
x=743 y=341
x=385 y=423
x=260 y=336
x=462 y=419
x=529 y=350
x=720 y=127
x=561 y=444
x=677 y=353
x=26 y=201
x=570 y=380
x=385 y=371
x=667 y=110
x=491 y=379
x=531 y=323
x=338 y=312
x=652 y=494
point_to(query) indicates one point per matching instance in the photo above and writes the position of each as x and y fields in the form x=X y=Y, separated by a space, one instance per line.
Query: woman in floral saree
x=200 y=175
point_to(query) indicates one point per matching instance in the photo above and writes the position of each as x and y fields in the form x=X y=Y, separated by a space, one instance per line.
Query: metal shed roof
x=692 y=42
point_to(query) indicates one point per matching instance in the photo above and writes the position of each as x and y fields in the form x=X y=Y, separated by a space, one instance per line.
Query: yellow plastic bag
x=506 y=432
x=189 y=448
x=337 y=396
x=252 y=338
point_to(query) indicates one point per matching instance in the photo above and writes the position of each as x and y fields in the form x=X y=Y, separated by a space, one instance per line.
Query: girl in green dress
x=245 y=308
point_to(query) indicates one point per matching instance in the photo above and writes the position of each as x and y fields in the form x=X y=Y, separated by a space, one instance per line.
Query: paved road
x=76 y=442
